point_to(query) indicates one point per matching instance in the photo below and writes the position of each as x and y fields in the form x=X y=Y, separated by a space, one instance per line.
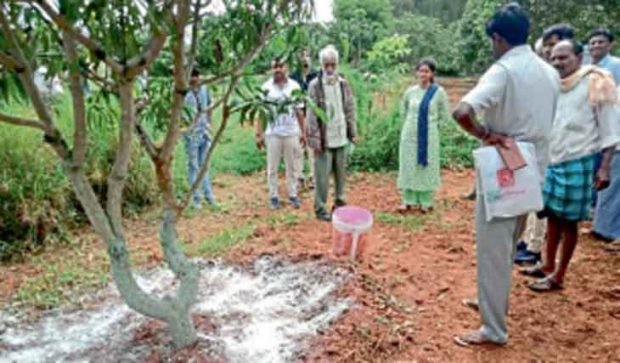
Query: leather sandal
x=547 y=284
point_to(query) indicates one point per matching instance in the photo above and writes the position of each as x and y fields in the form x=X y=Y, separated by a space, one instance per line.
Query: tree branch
x=20 y=121
x=104 y=83
x=26 y=76
x=138 y=64
x=90 y=44
x=180 y=84
x=194 y=41
x=164 y=159
x=146 y=141
x=245 y=60
x=9 y=62
x=80 y=133
x=118 y=173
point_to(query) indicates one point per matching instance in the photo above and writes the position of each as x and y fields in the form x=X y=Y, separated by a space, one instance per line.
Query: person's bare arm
x=260 y=141
x=302 y=127
x=603 y=178
x=466 y=118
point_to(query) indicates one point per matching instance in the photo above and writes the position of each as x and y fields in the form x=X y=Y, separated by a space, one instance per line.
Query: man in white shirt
x=529 y=250
x=282 y=136
x=517 y=96
x=586 y=123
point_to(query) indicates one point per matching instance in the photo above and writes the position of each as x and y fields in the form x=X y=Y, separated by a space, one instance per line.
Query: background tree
x=429 y=37
x=360 y=23
x=112 y=43
x=445 y=10
x=474 y=48
x=583 y=15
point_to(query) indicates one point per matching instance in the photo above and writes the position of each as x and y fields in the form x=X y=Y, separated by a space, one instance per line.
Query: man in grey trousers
x=518 y=96
x=329 y=137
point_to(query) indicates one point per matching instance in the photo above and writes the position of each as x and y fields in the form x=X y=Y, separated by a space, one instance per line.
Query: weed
x=58 y=284
x=411 y=222
x=224 y=240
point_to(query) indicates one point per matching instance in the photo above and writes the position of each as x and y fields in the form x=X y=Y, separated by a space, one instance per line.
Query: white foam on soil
x=265 y=314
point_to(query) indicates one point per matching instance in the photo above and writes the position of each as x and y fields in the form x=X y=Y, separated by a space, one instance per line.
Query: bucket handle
x=356 y=236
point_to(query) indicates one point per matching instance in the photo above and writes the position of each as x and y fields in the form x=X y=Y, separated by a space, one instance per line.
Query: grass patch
x=60 y=284
x=285 y=219
x=411 y=222
x=224 y=240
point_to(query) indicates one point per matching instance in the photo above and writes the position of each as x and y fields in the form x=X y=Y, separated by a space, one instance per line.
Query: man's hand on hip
x=493 y=139
x=602 y=179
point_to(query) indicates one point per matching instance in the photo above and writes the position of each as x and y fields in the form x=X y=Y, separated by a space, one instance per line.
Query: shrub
x=38 y=203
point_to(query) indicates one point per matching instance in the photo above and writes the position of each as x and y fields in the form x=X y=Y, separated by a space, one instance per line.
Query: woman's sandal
x=547 y=284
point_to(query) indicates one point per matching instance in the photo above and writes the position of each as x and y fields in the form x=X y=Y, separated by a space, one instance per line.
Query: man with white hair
x=329 y=133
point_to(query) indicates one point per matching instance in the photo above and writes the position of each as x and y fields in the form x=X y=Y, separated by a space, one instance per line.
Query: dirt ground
x=412 y=277
x=418 y=269
x=410 y=282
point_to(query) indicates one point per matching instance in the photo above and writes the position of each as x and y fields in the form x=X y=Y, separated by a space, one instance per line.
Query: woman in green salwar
x=423 y=107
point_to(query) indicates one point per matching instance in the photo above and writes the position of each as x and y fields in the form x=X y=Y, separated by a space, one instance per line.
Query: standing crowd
x=323 y=135
x=555 y=95
x=566 y=104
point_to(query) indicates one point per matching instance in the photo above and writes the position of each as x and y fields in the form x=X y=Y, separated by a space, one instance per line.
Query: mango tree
x=109 y=44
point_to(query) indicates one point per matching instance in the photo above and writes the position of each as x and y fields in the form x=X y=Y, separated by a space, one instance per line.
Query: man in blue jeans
x=197 y=139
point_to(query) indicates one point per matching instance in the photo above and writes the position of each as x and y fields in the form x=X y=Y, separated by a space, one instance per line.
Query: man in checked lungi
x=586 y=123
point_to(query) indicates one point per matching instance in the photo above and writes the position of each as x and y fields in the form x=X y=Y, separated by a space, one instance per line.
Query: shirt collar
x=518 y=50
x=603 y=62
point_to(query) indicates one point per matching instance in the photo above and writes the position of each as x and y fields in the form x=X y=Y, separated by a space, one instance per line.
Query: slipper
x=547 y=284
x=613 y=246
x=470 y=303
x=474 y=338
x=535 y=271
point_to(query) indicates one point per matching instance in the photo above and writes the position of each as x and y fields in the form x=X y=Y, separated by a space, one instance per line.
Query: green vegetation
x=60 y=282
x=38 y=203
x=410 y=222
x=224 y=240
x=379 y=41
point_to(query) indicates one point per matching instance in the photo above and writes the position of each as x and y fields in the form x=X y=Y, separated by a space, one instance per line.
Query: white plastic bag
x=508 y=193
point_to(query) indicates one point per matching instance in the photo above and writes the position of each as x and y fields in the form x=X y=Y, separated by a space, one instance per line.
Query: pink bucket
x=349 y=227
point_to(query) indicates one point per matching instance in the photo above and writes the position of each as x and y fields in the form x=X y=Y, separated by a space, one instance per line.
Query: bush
x=38 y=204
x=380 y=123
x=429 y=37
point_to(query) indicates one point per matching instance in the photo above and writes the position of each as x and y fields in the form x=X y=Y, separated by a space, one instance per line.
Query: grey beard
x=331 y=78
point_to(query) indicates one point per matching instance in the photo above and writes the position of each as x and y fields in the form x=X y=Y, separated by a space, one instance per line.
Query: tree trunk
x=173 y=309
x=179 y=321
x=182 y=328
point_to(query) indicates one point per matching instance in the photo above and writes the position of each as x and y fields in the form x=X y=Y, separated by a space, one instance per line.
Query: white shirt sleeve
x=489 y=91
x=609 y=125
